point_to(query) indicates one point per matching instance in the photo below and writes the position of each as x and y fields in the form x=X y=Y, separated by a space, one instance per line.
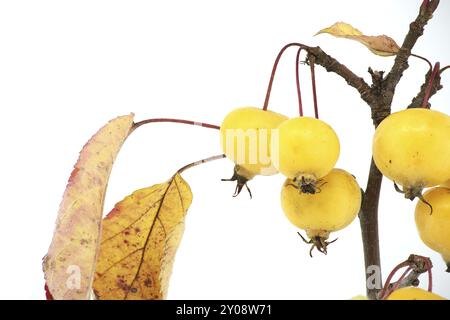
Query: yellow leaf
x=70 y=262
x=341 y=29
x=381 y=45
x=139 y=240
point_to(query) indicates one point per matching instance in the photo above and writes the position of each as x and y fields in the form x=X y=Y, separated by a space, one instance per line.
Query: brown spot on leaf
x=123 y=251
x=122 y=284
x=148 y=282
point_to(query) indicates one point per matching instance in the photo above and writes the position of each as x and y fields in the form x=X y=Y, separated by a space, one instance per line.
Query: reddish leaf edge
x=48 y=294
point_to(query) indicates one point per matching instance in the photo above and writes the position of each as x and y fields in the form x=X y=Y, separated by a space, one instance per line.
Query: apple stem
x=199 y=162
x=430 y=85
x=274 y=70
x=415 y=266
x=398 y=282
x=311 y=60
x=444 y=68
x=384 y=291
x=190 y=122
x=297 y=81
x=424 y=59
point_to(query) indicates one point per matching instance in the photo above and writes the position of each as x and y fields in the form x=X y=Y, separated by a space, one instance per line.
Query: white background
x=67 y=67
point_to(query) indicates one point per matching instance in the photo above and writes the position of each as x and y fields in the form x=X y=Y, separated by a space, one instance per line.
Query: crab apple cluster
x=315 y=197
x=412 y=148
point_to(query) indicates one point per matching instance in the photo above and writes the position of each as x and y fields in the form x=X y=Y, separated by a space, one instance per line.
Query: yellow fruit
x=412 y=148
x=360 y=297
x=411 y=293
x=308 y=149
x=447 y=184
x=245 y=136
x=434 y=229
x=333 y=208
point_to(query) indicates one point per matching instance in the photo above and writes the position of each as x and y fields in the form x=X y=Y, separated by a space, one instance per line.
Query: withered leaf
x=139 y=240
x=70 y=262
x=341 y=29
x=381 y=45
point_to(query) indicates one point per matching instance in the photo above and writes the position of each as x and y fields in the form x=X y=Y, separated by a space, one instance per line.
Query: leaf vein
x=149 y=235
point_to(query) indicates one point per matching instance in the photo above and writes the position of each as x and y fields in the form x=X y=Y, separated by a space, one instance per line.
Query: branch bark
x=332 y=65
x=379 y=97
x=416 y=29
x=418 y=99
x=368 y=220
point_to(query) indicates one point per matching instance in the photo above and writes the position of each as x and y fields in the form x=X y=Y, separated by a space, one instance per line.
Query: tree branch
x=383 y=90
x=379 y=97
x=332 y=65
x=368 y=220
x=416 y=29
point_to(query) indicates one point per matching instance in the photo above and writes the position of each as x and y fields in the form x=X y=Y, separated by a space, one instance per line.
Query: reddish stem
x=389 y=278
x=398 y=282
x=424 y=59
x=190 y=122
x=313 y=82
x=196 y=163
x=444 y=68
x=274 y=69
x=297 y=81
x=430 y=85
x=414 y=262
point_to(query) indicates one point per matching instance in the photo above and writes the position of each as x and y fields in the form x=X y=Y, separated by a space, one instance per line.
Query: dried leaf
x=70 y=262
x=139 y=240
x=381 y=45
x=341 y=29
